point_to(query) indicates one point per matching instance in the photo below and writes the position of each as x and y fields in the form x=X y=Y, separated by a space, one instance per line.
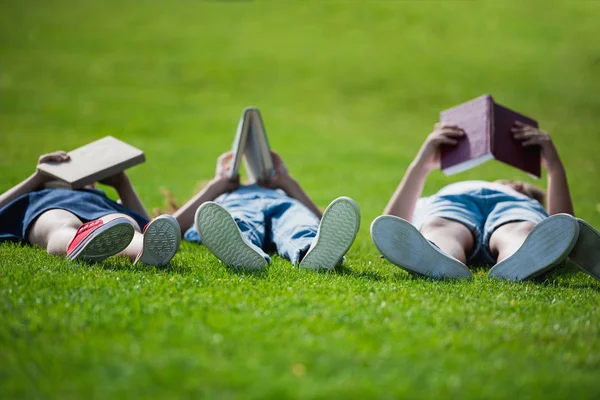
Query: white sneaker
x=337 y=231
x=586 y=253
x=403 y=245
x=546 y=246
x=162 y=237
x=221 y=235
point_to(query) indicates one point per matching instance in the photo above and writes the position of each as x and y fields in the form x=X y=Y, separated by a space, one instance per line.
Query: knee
x=56 y=250
x=516 y=229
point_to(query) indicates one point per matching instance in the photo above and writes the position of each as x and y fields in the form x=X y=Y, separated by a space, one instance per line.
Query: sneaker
x=162 y=236
x=97 y=240
x=404 y=246
x=221 y=235
x=546 y=246
x=586 y=253
x=337 y=231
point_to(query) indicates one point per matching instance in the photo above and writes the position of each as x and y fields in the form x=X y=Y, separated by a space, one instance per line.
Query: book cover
x=474 y=117
x=488 y=135
x=509 y=150
x=251 y=145
x=94 y=161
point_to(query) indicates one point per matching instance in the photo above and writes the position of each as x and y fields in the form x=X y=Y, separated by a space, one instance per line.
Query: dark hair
x=529 y=190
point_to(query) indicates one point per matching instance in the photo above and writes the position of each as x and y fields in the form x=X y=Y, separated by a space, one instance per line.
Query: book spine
x=491 y=136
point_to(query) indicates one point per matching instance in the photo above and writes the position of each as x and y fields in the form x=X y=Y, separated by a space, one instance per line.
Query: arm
x=559 y=196
x=403 y=201
x=35 y=181
x=127 y=194
x=217 y=186
x=282 y=180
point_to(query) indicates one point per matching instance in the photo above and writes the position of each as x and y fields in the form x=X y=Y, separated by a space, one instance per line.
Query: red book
x=488 y=135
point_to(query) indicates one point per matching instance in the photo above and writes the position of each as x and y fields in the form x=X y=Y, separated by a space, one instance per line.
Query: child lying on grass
x=85 y=224
x=475 y=222
x=245 y=221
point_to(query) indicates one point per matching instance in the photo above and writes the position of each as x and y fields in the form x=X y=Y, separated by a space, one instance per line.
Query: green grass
x=348 y=92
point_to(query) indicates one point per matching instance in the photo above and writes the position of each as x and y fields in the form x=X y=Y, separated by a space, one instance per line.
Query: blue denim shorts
x=483 y=211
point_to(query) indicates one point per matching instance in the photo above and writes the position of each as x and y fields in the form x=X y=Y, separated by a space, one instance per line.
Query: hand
x=429 y=156
x=223 y=171
x=531 y=136
x=281 y=177
x=115 y=181
x=55 y=157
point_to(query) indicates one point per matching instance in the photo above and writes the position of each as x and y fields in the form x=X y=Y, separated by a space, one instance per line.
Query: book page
x=259 y=162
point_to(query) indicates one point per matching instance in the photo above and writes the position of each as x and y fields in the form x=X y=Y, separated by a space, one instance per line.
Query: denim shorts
x=483 y=211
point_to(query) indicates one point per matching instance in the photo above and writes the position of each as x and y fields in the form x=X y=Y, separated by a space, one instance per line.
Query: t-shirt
x=422 y=206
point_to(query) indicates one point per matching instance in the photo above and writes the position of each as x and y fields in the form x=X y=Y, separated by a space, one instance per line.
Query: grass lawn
x=348 y=92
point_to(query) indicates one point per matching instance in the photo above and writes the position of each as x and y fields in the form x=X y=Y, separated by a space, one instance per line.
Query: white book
x=94 y=162
x=251 y=145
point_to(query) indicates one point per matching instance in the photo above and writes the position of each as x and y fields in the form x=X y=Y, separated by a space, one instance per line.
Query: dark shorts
x=87 y=204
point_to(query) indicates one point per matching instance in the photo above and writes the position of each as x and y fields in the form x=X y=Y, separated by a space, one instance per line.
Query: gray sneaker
x=586 y=253
x=221 y=235
x=546 y=246
x=162 y=237
x=337 y=231
x=404 y=246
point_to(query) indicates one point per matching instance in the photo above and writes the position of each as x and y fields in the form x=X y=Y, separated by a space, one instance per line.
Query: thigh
x=466 y=210
x=449 y=229
x=248 y=213
x=509 y=211
x=290 y=219
x=249 y=209
x=49 y=222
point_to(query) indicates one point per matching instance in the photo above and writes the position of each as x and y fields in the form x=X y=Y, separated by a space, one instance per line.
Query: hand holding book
x=532 y=136
x=281 y=178
x=429 y=156
x=223 y=175
x=55 y=157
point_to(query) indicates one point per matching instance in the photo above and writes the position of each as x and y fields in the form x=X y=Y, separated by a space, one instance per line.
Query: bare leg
x=451 y=237
x=507 y=239
x=137 y=242
x=54 y=229
x=134 y=247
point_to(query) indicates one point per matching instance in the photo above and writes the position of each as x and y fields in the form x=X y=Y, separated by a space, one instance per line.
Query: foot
x=403 y=245
x=586 y=253
x=97 y=240
x=162 y=236
x=221 y=235
x=546 y=246
x=337 y=231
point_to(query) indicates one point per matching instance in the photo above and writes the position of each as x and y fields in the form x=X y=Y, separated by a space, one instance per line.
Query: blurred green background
x=348 y=92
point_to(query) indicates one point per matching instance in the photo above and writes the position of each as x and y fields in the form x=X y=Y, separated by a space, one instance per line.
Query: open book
x=93 y=162
x=488 y=135
x=251 y=144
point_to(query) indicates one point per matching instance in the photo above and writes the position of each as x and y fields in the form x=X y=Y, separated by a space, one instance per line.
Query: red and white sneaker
x=162 y=236
x=97 y=240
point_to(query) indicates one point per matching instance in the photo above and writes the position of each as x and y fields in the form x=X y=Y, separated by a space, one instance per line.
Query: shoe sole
x=404 y=246
x=546 y=246
x=109 y=239
x=221 y=235
x=337 y=231
x=586 y=253
x=161 y=241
